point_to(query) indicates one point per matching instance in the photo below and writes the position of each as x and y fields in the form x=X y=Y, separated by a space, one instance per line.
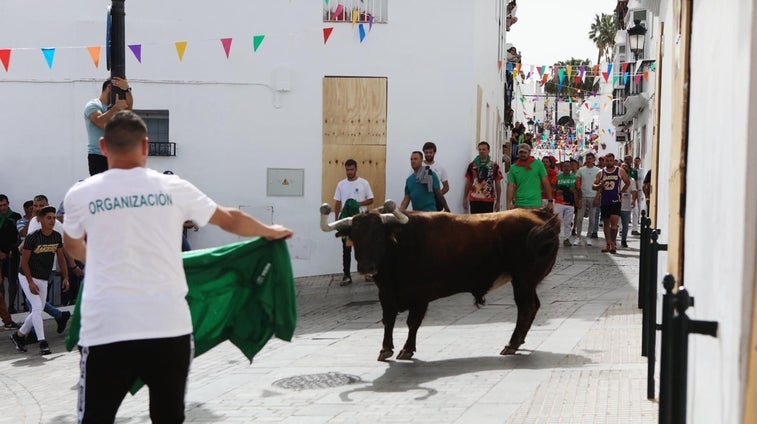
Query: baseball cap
x=525 y=147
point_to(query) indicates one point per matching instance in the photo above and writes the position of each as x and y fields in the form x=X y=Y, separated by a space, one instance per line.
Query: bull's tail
x=543 y=240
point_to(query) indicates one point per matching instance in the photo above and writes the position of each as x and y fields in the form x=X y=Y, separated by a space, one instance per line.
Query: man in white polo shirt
x=135 y=320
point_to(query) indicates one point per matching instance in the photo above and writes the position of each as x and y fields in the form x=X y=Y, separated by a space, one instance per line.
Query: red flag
x=623 y=68
x=5 y=57
x=327 y=34
x=226 y=46
x=605 y=75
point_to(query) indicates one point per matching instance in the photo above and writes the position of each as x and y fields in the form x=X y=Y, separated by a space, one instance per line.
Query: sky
x=551 y=30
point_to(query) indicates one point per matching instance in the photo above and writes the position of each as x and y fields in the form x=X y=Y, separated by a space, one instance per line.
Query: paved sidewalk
x=581 y=361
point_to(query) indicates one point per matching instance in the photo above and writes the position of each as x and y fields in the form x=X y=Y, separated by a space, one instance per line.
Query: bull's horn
x=395 y=215
x=334 y=226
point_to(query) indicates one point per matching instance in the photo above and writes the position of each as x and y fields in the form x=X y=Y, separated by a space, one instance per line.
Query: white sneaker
x=588 y=241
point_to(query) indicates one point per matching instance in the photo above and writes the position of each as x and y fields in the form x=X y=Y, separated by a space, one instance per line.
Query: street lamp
x=636 y=38
x=530 y=125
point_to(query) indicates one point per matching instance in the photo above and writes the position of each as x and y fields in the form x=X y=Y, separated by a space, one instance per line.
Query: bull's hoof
x=509 y=350
x=405 y=355
x=385 y=354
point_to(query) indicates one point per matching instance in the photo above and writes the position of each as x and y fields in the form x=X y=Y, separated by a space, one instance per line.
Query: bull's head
x=367 y=233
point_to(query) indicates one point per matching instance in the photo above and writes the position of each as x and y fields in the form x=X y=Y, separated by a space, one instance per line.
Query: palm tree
x=602 y=33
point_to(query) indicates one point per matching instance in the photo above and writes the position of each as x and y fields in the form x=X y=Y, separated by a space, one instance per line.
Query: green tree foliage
x=569 y=87
x=602 y=34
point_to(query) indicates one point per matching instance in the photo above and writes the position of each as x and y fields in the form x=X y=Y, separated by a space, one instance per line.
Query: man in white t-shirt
x=429 y=153
x=349 y=191
x=135 y=320
x=585 y=178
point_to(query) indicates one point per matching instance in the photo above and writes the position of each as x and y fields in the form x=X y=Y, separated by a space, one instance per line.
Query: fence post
x=643 y=248
x=666 y=348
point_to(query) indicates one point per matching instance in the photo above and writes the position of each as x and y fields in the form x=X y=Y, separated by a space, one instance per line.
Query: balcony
x=361 y=11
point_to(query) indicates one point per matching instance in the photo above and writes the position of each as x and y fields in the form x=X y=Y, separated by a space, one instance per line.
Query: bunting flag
x=646 y=75
x=570 y=100
x=326 y=1
x=529 y=75
x=538 y=70
x=5 y=57
x=636 y=79
x=609 y=69
x=582 y=72
x=94 y=53
x=370 y=23
x=355 y=15
x=625 y=78
x=623 y=68
x=653 y=66
x=561 y=76
x=226 y=42
x=578 y=80
x=327 y=34
x=544 y=79
x=49 y=54
x=256 y=41
x=595 y=68
x=570 y=71
x=499 y=65
x=362 y=32
x=605 y=76
x=136 y=49
x=181 y=47
x=615 y=80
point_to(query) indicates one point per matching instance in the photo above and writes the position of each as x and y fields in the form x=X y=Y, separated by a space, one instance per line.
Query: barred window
x=367 y=11
x=157 y=124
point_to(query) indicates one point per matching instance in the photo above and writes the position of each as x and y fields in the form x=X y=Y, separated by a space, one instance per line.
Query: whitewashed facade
x=234 y=118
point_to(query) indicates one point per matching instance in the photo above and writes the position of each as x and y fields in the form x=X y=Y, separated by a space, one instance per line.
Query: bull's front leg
x=414 y=320
x=528 y=304
x=387 y=347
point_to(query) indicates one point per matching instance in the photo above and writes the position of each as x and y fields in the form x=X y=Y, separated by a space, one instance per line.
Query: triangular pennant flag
x=226 y=42
x=538 y=70
x=5 y=57
x=653 y=67
x=623 y=68
x=609 y=69
x=578 y=80
x=370 y=23
x=544 y=79
x=595 y=68
x=625 y=78
x=582 y=72
x=181 y=47
x=355 y=15
x=646 y=75
x=528 y=76
x=49 y=54
x=362 y=32
x=561 y=75
x=499 y=65
x=523 y=100
x=570 y=100
x=327 y=2
x=614 y=80
x=636 y=79
x=256 y=40
x=327 y=34
x=570 y=71
x=136 y=49
x=94 y=53
x=605 y=76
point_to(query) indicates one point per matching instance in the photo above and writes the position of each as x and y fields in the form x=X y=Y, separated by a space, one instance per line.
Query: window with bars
x=157 y=122
x=368 y=11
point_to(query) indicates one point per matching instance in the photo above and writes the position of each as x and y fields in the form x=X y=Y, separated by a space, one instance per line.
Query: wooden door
x=354 y=127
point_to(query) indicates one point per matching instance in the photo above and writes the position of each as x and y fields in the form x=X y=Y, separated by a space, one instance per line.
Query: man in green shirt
x=527 y=179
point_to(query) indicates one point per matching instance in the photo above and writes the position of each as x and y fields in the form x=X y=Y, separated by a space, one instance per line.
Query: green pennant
x=256 y=41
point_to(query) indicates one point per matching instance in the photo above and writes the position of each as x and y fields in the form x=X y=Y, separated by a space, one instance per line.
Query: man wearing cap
x=527 y=180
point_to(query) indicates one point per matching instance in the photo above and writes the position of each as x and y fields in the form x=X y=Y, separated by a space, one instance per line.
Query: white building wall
x=229 y=124
x=721 y=201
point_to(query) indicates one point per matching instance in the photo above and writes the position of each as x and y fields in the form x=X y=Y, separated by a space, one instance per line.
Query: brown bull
x=420 y=257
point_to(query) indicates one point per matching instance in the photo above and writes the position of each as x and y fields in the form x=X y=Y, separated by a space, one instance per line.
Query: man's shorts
x=608 y=210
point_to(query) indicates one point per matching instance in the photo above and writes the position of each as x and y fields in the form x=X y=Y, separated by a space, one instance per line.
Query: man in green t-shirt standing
x=527 y=179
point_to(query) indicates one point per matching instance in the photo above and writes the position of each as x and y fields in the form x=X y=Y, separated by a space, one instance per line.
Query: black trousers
x=97 y=163
x=10 y=268
x=346 y=257
x=108 y=371
x=481 y=207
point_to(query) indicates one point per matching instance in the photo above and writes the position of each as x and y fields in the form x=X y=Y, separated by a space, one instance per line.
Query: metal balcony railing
x=161 y=149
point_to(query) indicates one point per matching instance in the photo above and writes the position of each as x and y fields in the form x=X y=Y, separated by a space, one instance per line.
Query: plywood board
x=371 y=165
x=750 y=407
x=354 y=127
x=678 y=143
x=354 y=110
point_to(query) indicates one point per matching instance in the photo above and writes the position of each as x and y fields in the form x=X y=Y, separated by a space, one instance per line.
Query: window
x=157 y=131
x=367 y=11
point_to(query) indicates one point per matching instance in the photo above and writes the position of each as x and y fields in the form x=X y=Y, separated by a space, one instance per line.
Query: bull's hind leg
x=387 y=347
x=528 y=304
x=414 y=318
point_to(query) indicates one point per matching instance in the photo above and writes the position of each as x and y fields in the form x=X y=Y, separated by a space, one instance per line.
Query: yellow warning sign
x=285 y=182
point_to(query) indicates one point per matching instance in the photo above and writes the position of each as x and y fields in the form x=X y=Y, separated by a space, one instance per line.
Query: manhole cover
x=316 y=381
